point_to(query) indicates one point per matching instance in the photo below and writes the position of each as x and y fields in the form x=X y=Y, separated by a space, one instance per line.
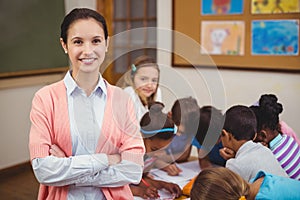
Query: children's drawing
x=221 y=7
x=223 y=37
x=275 y=37
x=217 y=37
x=275 y=6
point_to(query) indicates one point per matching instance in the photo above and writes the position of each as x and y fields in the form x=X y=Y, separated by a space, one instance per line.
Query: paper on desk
x=189 y=171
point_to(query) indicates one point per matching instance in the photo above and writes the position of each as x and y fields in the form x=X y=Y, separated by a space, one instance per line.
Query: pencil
x=145 y=182
x=172 y=156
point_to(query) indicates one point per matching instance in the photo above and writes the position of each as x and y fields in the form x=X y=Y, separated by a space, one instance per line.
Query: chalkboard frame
x=30 y=38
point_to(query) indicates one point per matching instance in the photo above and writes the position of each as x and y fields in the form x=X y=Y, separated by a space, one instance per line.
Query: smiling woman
x=82 y=126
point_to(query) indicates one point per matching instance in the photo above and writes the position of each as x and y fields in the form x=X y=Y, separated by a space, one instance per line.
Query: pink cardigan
x=50 y=125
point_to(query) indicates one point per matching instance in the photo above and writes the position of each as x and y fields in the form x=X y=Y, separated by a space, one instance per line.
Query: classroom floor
x=21 y=185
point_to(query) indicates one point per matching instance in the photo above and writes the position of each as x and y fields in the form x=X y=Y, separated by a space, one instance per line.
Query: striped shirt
x=287 y=152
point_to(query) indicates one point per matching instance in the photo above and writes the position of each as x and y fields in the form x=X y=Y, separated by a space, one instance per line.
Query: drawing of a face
x=218 y=35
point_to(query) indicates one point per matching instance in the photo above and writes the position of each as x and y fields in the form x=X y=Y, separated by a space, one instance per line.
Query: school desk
x=189 y=170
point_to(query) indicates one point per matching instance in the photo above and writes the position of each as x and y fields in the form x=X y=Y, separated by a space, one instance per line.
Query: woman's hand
x=56 y=151
x=113 y=159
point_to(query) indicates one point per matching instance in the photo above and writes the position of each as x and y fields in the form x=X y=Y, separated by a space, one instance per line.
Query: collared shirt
x=86 y=115
x=253 y=157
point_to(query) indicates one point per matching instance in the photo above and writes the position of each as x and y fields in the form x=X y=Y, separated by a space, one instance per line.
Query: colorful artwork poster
x=223 y=37
x=222 y=7
x=275 y=37
x=274 y=6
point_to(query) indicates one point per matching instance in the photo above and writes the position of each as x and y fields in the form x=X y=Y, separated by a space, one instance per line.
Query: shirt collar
x=275 y=140
x=71 y=85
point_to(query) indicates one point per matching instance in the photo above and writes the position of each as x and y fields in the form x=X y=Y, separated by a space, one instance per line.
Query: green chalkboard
x=29 y=37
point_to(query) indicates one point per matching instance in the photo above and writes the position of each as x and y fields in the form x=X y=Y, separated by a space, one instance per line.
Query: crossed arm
x=98 y=170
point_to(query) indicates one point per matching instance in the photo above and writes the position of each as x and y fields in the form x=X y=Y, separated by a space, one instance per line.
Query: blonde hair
x=139 y=62
x=219 y=183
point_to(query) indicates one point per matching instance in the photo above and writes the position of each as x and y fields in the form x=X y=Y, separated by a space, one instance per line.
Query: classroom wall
x=234 y=87
x=15 y=106
x=240 y=86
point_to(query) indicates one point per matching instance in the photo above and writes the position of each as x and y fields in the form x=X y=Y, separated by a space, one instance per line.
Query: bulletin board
x=29 y=37
x=188 y=17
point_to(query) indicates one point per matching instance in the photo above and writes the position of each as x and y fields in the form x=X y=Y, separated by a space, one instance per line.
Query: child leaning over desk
x=284 y=147
x=157 y=130
x=222 y=183
x=207 y=139
x=238 y=132
x=185 y=114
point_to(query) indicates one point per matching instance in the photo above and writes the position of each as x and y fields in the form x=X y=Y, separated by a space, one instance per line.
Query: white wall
x=240 y=87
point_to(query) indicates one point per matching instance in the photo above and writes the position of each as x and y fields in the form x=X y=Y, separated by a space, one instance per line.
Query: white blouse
x=139 y=107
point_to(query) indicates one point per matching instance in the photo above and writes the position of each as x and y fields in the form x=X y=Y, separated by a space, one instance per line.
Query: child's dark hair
x=155 y=123
x=210 y=124
x=81 y=13
x=240 y=121
x=267 y=113
x=187 y=112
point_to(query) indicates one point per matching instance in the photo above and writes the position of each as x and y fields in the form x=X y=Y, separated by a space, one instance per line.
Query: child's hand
x=172 y=170
x=144 y=192
x=150 y=192
x=56 y=151
x=173 y=189
x=227 y=153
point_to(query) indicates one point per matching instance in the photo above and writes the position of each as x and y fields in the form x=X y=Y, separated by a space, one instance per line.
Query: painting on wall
x=221 y=7
x=275 y=37
x=223 y=37
x=274 y=6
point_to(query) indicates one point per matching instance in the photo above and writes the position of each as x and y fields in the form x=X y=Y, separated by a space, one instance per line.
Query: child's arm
x=185 y=155
x=144 y=191
x=171 y=187
x=205 y=162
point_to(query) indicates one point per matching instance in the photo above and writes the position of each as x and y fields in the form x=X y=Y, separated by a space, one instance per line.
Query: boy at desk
x=238 y=132
x=157 y=130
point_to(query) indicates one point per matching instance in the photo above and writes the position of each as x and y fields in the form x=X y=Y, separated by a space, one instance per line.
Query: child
x=141 y=83
x=207 y=139
x=284 y=147
x=238 y=132
x=185 y=114
x=283 y=127
x=221 y=183
x=158 y=130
